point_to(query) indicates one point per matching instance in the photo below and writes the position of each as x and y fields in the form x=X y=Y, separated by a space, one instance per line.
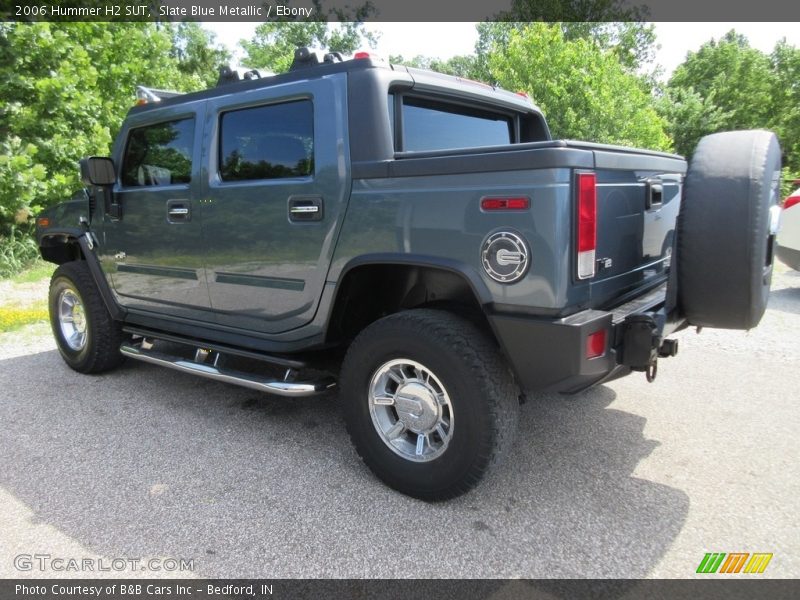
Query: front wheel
x=429 y=402
x=87 y=337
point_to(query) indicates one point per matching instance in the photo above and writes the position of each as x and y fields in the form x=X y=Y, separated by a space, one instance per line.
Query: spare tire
x=725 y=233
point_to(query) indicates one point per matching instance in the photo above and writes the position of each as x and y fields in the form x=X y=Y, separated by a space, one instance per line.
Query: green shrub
x=18 y=251
x=788 y=185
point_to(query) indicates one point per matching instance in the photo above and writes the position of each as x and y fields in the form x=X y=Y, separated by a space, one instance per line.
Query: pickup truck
x=415 y=239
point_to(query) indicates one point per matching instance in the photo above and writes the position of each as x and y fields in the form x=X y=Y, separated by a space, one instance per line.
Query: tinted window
x=435 y=126
x=159 y=154
x=267 y=142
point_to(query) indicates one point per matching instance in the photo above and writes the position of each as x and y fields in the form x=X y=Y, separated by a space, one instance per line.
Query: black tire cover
x=724 y=241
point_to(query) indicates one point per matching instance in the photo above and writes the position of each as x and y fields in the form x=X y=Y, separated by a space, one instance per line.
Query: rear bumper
x=550 y=355
x=788 y=256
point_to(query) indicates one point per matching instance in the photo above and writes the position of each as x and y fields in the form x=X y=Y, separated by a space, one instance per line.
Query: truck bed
x=423 y=202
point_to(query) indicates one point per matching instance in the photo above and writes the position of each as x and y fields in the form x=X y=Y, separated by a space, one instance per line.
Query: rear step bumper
x=292 y=389
x=552 y=354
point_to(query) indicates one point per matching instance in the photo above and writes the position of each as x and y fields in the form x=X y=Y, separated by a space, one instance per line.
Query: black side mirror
x=98 y=171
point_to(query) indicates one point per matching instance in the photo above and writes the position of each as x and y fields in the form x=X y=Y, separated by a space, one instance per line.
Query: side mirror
x=98 y=171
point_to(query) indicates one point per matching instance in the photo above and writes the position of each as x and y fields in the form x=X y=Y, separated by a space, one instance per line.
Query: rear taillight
x=791 y=201
x=587 y=224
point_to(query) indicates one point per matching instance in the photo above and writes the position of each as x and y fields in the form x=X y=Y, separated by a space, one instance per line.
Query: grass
x=18 y=309
x=12 y=318
x=18 y=252
x=36 y=271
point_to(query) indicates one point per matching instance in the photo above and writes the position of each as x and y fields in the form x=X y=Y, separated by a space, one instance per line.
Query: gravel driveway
x=629 y=479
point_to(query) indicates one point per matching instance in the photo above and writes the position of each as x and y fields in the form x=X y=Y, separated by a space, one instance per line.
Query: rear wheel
x=87 y=337
x=727 y=229
x=429 y=402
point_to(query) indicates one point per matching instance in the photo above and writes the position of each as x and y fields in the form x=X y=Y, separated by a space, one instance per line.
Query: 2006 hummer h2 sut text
x=417 y=239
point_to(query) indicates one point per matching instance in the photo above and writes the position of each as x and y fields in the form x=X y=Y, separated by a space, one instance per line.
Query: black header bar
x=398 y=10
x=713 y=588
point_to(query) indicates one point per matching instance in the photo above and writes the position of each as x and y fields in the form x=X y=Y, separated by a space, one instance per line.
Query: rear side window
x=159 y=154
x=431 y=125
x=267 y=142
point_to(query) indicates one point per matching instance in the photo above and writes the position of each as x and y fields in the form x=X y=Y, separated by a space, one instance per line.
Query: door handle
x=178 y=211
x=305 y=208
x=655 y=194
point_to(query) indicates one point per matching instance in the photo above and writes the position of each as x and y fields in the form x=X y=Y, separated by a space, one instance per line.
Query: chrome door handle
x=305 y=208
x=179 y=211
x=300 y=210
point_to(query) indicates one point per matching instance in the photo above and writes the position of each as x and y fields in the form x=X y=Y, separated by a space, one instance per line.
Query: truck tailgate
x=638 y=201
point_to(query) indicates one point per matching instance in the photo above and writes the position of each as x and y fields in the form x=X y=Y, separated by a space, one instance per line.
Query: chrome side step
x=292 y=389
x=287 y=362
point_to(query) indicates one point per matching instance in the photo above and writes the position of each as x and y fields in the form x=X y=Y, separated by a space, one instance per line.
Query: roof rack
x=306 y=57
x=234 y=73
x=146 y=95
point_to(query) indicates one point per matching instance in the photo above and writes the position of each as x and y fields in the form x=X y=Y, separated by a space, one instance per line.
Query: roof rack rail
x=146 y=95
x=306 y=57
x=234 y=74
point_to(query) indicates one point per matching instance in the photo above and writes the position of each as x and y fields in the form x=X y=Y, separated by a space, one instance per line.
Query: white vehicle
x=788 y=249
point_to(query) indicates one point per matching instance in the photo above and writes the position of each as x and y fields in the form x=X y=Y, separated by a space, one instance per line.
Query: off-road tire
x=725 y=246
x=484 y=397
x=100 y=352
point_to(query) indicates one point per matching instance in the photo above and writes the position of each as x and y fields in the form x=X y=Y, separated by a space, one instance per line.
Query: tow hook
x=642 y=345
x=652 y=371
x=666 y=349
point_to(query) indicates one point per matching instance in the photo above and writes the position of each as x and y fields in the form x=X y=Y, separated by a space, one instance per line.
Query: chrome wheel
x=72 y=319
x=410 y=410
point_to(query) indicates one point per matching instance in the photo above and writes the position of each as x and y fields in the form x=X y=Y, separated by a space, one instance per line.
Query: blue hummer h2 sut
x=416 y=239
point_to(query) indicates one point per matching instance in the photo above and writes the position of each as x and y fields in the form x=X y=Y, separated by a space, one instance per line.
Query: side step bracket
x=285 y=387
x=282 y=361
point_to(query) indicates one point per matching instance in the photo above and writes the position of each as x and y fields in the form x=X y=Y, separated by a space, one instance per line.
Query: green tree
x=725 y=85
x=66 y=88
x=689 y=116
x=50 y=116
x=634 y=43
x=198 y=55
x=584 y=90
x=274 y=42
x=460 y=66
x=785 y=61
x=613 y=25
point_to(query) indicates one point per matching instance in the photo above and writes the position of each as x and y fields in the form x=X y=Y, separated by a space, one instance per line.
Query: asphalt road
x=626 y=480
